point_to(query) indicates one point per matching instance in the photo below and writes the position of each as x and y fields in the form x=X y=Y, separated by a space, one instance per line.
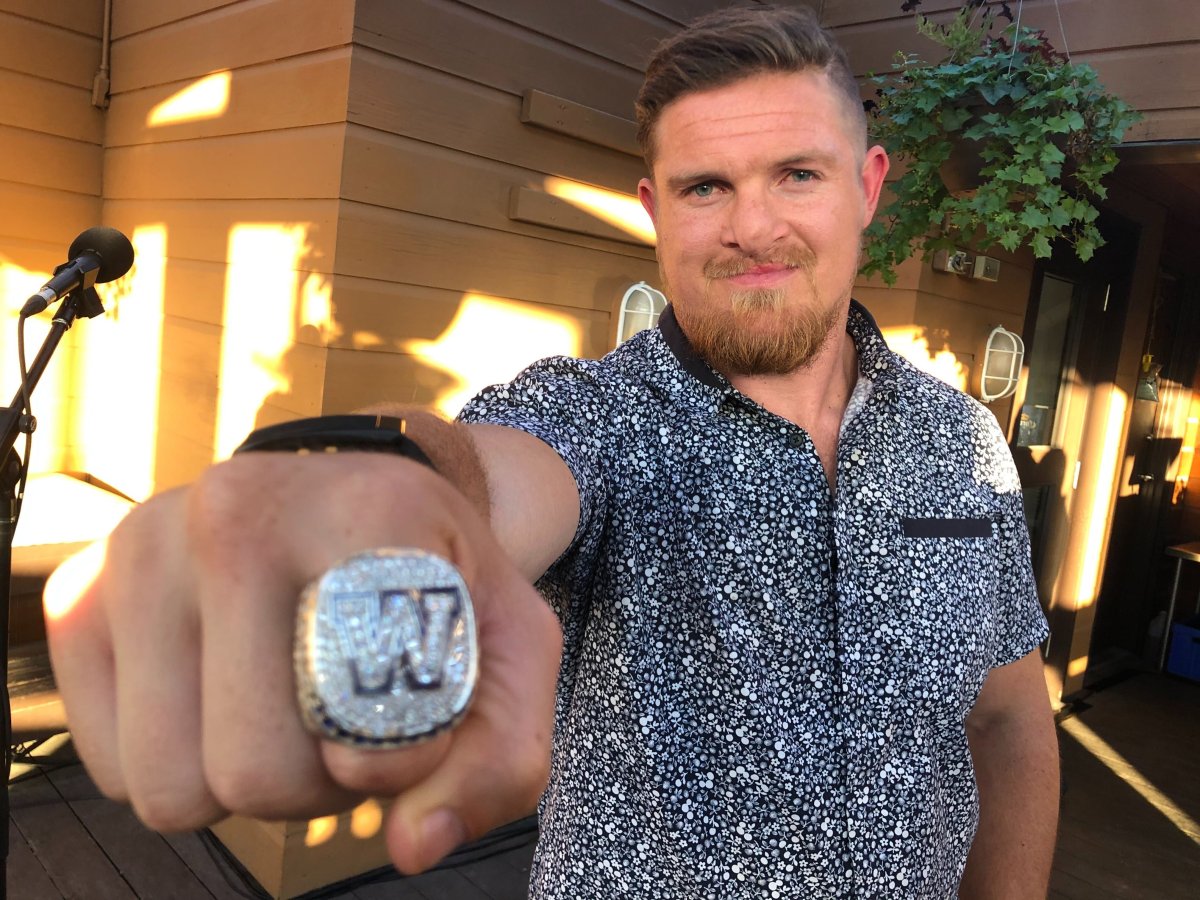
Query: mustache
x=729 y=266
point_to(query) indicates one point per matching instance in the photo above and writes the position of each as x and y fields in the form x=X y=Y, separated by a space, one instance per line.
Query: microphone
x=97 y=256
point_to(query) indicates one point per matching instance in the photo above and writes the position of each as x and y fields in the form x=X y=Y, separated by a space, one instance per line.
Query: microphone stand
x=15 y=421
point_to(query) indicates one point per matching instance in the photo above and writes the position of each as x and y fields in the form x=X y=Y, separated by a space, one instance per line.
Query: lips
x=762 y=276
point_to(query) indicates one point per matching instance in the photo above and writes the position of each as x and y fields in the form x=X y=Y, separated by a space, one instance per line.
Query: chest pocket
x=945 y=585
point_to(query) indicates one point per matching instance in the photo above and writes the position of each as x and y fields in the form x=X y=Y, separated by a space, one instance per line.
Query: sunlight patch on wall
x=266 y=303
x=121 y=358
x=1097 y=516
x=206 y=98
x=619 y=210
x=490 y=341
x=1123 y=769
x=910 y=343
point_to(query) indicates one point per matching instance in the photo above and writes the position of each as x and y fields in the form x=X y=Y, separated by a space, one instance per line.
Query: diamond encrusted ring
x=386 y=651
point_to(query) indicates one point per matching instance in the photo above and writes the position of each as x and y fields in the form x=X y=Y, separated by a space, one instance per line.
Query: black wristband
x=331 y=434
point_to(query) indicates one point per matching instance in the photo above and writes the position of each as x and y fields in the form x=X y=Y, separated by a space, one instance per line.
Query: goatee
x=762 y=331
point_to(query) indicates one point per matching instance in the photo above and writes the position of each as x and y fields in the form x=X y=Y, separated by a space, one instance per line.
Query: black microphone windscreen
x=113 y=248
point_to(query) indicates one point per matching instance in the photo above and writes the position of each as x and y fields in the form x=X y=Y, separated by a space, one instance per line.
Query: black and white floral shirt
x=764 y=687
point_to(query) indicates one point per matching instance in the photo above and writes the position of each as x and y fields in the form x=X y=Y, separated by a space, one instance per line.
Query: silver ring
x=386 y=652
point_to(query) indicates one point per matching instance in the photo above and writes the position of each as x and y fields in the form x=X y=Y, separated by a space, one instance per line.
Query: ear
x=646 y=195
x=874 y=170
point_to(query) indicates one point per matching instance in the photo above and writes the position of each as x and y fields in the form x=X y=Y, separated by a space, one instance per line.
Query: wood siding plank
x=536 y=206
x=302 y=162
x=84 y=17
x=230 y=37
x=448 y=36
x=416 y=177
x=134 y=16
x=1152 y=78
x=199 y=229
x=48 y=52
x=43 y=215
x=681 y=11
x=618 y=31
x=836 y=13
x=401 y=98
x=292 y=93
x=44 y=160
x=383 y=316
x=579 y=121
x=49 y=107
x=392 y=246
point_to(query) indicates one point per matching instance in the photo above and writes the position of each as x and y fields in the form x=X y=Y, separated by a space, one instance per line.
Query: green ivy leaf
x=1033 y=218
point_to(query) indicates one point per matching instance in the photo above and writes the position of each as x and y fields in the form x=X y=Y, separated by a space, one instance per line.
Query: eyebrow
x=800 y=160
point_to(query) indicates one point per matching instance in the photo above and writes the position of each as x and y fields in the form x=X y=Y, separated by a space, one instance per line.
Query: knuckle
x=175 y=809
x=246 y=789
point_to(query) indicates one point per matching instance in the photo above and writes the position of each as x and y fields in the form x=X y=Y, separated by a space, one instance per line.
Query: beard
x=762 y=331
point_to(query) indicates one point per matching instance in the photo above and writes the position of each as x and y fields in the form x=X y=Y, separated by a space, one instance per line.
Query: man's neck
x=815 y=397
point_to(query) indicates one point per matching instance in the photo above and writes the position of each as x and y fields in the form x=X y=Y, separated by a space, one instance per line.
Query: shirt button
x=795 y=441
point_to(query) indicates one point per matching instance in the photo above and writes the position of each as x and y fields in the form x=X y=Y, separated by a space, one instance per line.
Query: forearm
x=449 y=447
x=1017 y=773
x=516 y=482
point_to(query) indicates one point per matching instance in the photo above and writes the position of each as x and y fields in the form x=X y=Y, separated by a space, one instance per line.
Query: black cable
x=25 y=402
x=5 y=699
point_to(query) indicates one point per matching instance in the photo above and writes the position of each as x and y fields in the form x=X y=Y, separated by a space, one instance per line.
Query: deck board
x=26 y=880
x=69 y=842
x=216 y=877
x=74 y=861
x=145 y=860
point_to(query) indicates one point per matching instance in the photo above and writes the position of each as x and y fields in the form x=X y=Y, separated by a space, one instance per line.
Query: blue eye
x=801 y=175
x=704 y=190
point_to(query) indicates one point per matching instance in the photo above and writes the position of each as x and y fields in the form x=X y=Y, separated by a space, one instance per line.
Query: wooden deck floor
x=1135 y=740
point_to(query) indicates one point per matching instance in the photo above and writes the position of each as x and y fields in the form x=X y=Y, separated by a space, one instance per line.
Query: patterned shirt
x=764 y=686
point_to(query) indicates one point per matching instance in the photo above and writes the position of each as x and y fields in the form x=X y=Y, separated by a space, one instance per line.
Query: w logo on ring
x=386 y=650
x=382 y=631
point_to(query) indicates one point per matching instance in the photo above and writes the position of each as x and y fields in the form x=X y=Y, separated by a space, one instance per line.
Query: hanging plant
x=1041 y=130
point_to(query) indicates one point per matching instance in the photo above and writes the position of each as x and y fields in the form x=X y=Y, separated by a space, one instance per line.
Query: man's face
x=759 y=195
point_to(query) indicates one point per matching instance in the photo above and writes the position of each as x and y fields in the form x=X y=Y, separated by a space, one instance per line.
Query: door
x=1068 y=434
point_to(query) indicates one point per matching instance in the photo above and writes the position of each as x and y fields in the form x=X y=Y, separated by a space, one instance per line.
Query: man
x=797 y=618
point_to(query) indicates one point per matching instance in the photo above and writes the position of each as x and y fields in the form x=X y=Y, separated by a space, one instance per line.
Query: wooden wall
x=50 y=184
x=369 y=211
x=455 y=266
x=223 y=161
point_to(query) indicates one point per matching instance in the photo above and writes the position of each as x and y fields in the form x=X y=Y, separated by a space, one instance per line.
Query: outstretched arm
x=172 y=640
x=1015 y=751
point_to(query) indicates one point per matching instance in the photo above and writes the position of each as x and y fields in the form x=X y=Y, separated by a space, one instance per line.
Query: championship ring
x=386 y=652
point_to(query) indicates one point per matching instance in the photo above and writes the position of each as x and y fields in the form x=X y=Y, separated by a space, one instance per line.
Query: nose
x=754 y=222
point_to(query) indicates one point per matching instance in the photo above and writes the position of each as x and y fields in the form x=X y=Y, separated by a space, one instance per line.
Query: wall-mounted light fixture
x=960 y=262
x=1002 y=360
x=640 y=308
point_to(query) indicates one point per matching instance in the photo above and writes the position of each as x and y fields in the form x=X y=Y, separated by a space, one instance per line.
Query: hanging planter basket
x=1006 y=142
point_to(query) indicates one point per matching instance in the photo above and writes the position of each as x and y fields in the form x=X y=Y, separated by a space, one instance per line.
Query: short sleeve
x=561 y=402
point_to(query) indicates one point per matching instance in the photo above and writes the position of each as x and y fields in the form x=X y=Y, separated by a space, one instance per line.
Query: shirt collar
x=875 y=360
